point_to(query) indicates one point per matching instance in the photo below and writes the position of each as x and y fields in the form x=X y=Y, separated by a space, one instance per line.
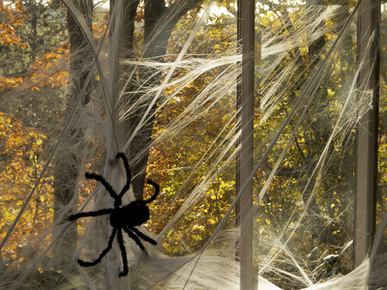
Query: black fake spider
x=121 y=218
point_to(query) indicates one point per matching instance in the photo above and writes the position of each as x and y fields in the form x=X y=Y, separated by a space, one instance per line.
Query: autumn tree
x=23 y=129
x=34 y=54
x=20 y=166
x=33 y=69
x=36 y=79
x=159 y=18
x=182 y=161
x=172 y=161
x=69 y=156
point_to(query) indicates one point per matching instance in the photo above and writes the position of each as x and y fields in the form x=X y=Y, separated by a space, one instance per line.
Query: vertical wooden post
x=367 y=131
x=246 y=16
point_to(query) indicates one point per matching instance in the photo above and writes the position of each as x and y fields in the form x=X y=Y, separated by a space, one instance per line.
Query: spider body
x=133 y=214
x=121 y=218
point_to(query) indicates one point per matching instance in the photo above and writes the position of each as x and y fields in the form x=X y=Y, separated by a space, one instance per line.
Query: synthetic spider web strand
x=107 y=94
x=316 y=79
x=170 y=72
x=375 y=247
x=173 y=11
x=207 y=181
x=195 y=196
x=145 y=118
x=96 y=227
x=46 y=165
x=60 y=138
x=312 y=83
x=187 y=117
x=197 y=68
x=62 y=228
x=107 y=91
x=308 y=30
x=217 y=89
x=224 y=158
x=319 y=167
x=116 y=212
x=343 y=126
x=111 y=145
x=274 y=94
x=194 y=111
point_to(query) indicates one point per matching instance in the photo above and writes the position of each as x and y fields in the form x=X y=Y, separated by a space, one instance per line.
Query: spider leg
x=143 y=236
x=106 y=184
x=120 y=240
x=134 y=237
x=157 y=190
x=91 y=213
x=128 y=174
x=104 y=252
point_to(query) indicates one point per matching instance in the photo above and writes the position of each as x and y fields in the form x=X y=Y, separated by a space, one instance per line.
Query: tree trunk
x=68 y=158
x=159 y=22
